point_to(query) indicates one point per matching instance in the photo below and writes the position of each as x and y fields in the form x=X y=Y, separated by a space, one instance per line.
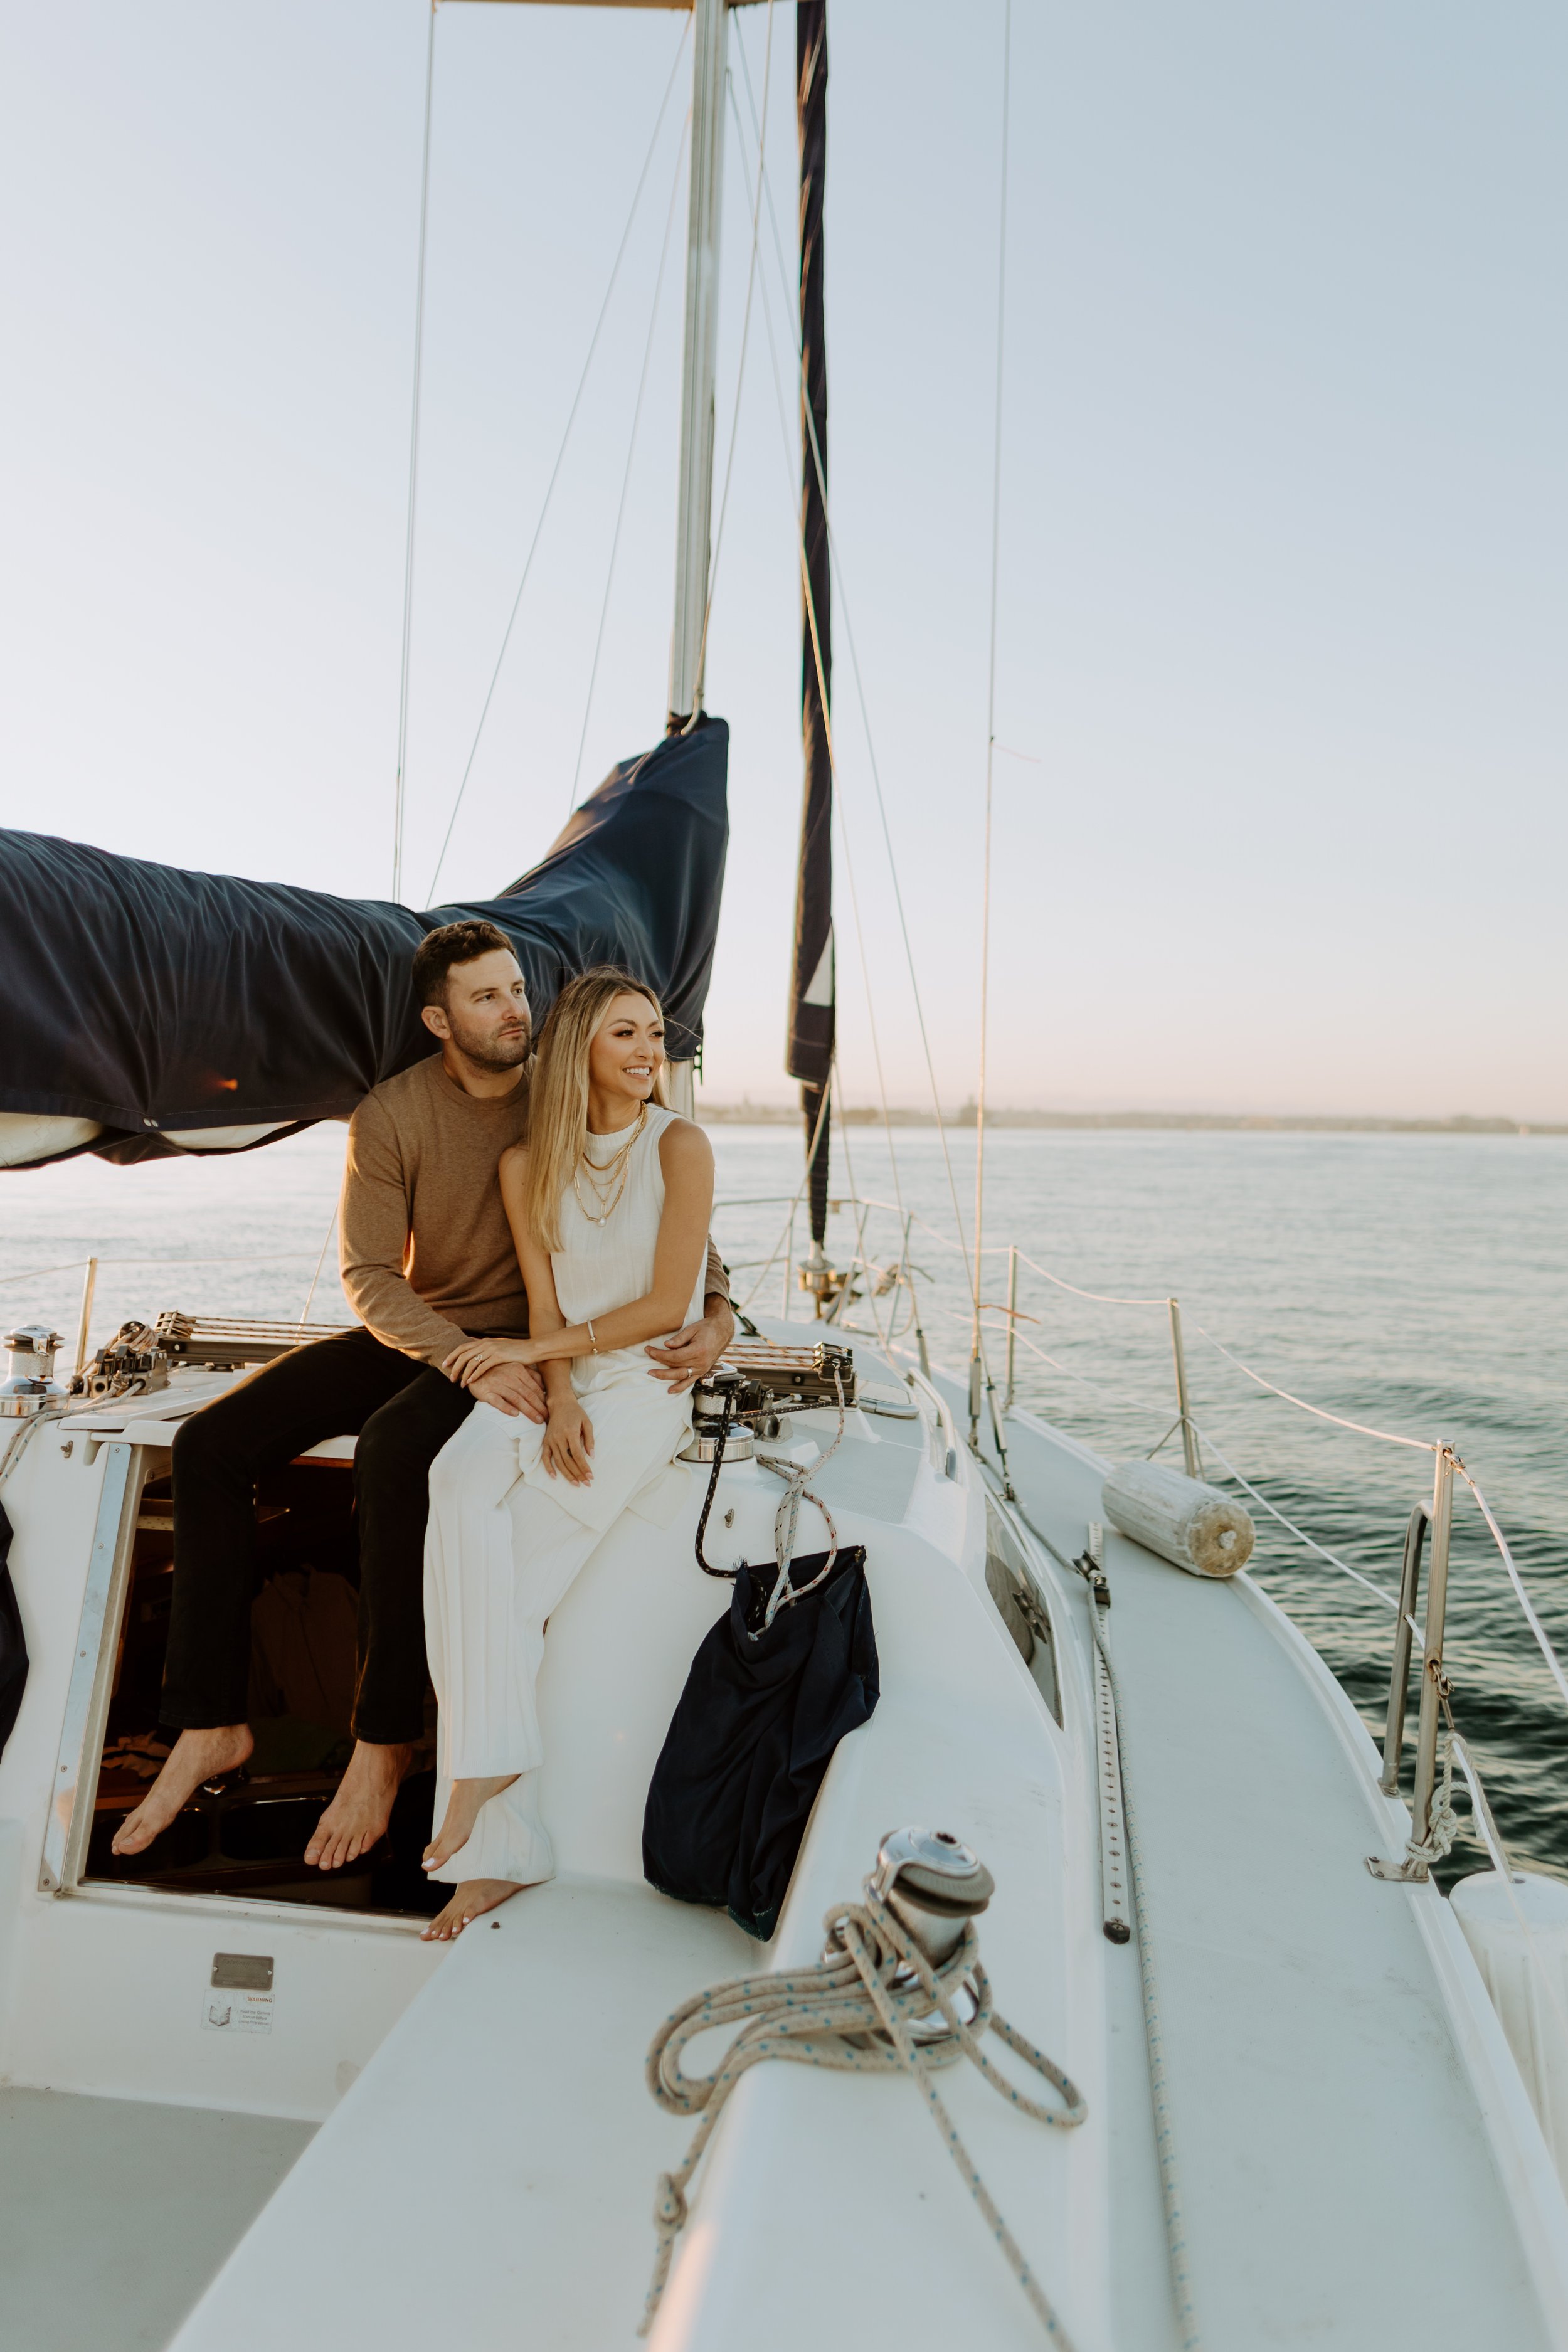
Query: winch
x=31 y=1384
x=930 y=1880
x=757 y=1383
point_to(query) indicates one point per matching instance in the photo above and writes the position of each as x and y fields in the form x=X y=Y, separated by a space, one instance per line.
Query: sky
x=1283 y=563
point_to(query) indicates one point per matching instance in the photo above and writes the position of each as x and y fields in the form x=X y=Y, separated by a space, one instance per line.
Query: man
x=427 y=1260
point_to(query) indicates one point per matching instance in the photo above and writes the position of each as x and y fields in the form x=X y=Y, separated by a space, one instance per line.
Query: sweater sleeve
x=373 y=1227
x=715 y=1282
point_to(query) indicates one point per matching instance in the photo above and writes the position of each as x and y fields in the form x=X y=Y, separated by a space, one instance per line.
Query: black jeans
x=402 y=1414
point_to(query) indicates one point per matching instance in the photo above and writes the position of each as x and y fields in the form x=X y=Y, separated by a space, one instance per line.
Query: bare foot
x=462 y=1813
x=475 y=1896
x=360 y=1811
x=196 y=1757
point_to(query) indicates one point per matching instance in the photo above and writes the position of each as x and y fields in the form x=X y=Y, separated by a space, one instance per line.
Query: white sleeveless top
x=601 y=1266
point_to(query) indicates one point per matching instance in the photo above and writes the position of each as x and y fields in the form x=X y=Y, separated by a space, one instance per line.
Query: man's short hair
x=452 y=944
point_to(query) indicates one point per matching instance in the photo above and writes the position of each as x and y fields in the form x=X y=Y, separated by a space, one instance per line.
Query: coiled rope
x=796 y=1492
x=794 y=1475
x=854 y=2012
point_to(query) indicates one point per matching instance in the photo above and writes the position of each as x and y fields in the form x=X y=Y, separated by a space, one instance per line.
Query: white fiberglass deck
x=1361 y=2166
x=115 y=2213
x=1321 y=2027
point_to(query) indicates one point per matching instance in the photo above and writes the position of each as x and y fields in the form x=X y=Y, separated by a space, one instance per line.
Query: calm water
x=1419 y=1283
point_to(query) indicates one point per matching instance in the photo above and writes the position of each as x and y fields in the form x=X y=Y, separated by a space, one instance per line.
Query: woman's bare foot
x=196 y=1757
x=475 y=1896
x=462 y=1813
x=360 y=1811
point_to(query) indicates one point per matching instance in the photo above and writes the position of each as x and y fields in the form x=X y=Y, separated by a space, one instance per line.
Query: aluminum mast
x=710 y=31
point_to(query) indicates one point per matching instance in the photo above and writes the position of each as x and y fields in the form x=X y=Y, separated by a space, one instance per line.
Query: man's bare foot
x=462 y=1813
x=475 y=1896
x=360 y=1811
x=196 y=1757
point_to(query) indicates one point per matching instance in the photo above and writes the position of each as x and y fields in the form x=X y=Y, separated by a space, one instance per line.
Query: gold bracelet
x=592 y=1342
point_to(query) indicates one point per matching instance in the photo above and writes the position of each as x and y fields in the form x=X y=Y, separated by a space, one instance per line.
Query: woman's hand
x=466 y=1363
x=568 y=1442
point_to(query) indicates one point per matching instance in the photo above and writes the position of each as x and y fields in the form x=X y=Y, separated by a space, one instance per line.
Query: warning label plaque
x=238 y=1998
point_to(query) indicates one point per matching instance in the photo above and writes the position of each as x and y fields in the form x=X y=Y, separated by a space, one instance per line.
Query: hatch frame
x=86 y=1715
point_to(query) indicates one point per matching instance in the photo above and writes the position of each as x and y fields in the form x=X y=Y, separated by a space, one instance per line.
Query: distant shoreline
x=750 y=1114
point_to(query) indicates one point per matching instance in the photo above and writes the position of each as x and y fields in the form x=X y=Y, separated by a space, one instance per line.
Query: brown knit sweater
x=427 y=1254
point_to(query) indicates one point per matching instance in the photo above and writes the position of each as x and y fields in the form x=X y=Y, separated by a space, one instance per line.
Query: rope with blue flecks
x=854 y=2011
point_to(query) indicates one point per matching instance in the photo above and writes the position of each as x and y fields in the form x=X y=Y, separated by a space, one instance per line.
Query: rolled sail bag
x=1193 y=1525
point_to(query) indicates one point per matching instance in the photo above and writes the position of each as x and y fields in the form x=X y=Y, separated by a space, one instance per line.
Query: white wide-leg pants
x=503 y=1547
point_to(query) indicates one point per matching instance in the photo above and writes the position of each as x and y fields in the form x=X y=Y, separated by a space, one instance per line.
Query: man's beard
x=488 y=1053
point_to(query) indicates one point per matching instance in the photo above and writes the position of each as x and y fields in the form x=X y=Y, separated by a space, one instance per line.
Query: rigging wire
x=315 y=1278
x=1417 y=1444
x=975 y=1357
x=741 y=365
x=864 y=717
x=1138 y=1404
x=1389 y=1599
x=843 y=1297
x=413 y=469
x=1543 y=1643
x=560 y=456
x=1099 y=1298
x=827 y=718
x=844 y=835
x=783 y=1242
x=631 y=453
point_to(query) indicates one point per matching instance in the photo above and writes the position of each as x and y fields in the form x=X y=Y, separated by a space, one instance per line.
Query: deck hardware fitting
x=1115 y=1918
x=1012 y=1324
x=1192 y=1457
x=885 y=1999
x=1431 y=1831
x=89 y=1284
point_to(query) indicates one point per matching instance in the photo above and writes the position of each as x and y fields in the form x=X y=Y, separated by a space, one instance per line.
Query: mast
x=709 y=32
x=809 y=1055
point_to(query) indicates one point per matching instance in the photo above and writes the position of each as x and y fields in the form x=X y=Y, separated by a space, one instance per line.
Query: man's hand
x=693 y=1352
x=513 y=1389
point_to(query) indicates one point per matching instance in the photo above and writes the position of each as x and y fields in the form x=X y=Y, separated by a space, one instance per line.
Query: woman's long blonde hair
x=558 y=1091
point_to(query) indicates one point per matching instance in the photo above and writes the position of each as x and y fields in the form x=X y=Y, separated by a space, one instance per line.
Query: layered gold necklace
x=612 y=1174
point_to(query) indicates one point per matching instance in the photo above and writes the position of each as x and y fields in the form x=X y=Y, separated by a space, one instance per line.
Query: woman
x=609 y=1202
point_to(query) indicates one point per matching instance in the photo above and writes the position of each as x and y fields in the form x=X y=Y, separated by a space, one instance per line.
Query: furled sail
x=811 y=1008
x=149 y=1009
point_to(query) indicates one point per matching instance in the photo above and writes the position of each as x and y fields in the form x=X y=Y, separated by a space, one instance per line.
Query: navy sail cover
x=151 y=998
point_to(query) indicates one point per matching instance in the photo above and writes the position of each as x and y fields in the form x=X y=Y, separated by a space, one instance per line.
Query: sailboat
x=1112 y=2037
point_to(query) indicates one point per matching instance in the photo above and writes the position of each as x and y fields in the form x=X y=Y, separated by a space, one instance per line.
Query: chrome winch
x=30 y=1385
x=758 y=1381
x=724 y=1407
x=932 y=1883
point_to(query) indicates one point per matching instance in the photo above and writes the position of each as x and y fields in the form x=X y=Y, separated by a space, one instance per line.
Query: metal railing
x=1435 y=1688
x=1432 y=1824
